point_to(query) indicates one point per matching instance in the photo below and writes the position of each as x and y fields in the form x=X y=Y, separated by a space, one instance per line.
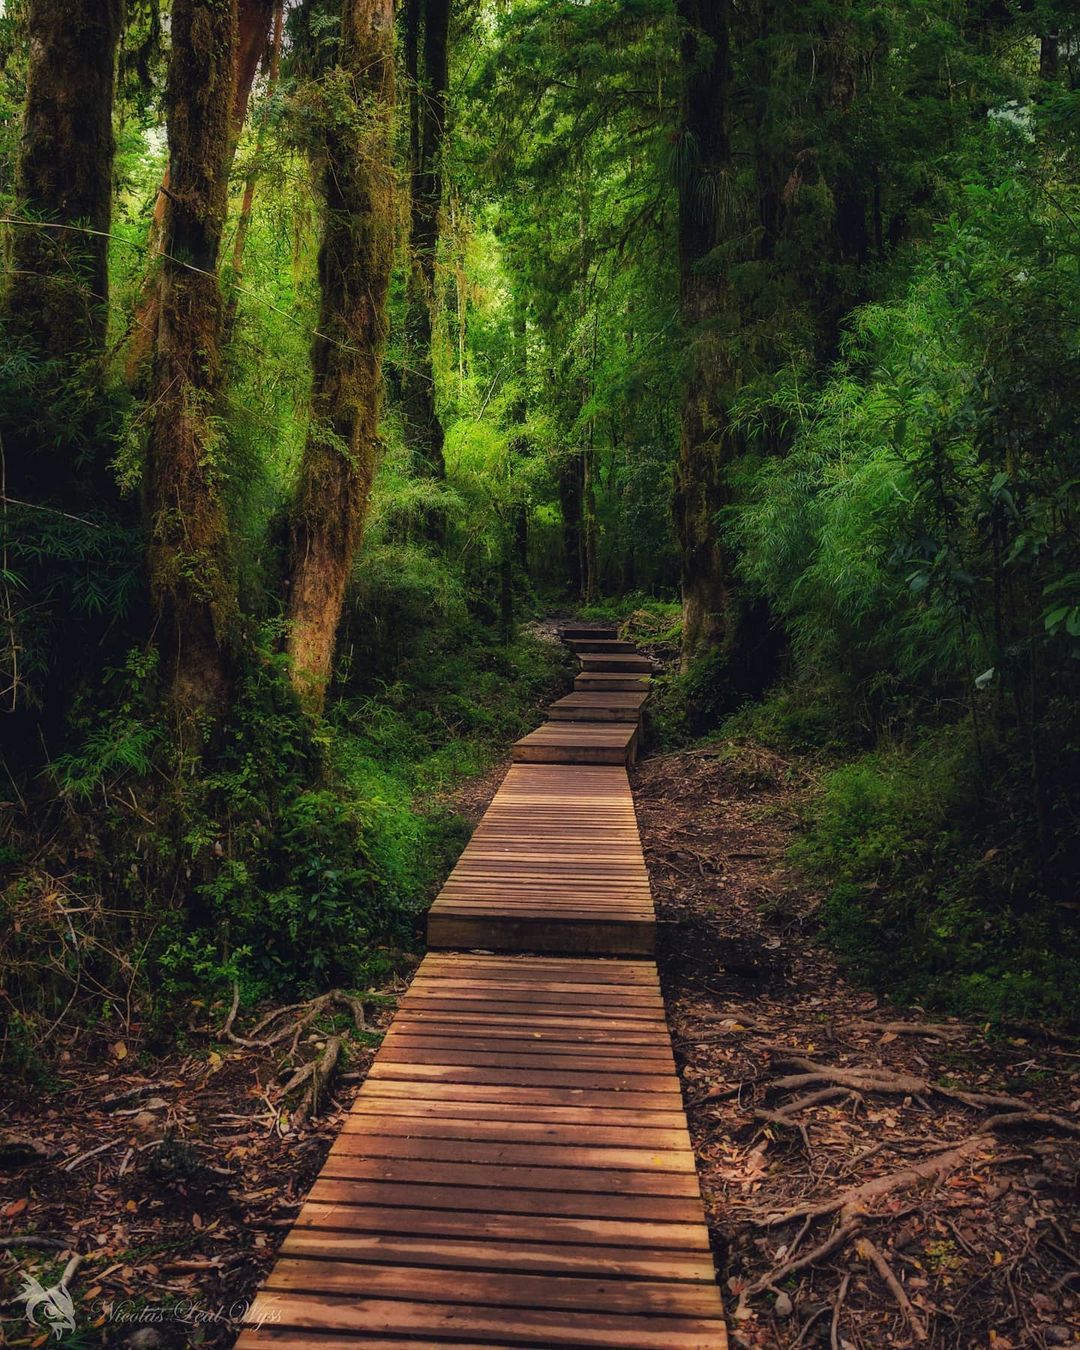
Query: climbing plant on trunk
x=353 y=160
x=191 y=572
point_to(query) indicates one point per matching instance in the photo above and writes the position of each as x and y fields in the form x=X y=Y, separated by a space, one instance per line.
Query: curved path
x=516 y=1170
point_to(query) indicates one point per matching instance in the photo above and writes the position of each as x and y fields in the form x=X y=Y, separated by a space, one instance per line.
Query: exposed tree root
x=291 y=1021
x=856 y=1198
x=317 y=1075
x=836 y=1239
x=867 y=1249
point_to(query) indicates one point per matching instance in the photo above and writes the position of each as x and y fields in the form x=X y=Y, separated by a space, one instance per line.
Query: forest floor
x=872 y=1177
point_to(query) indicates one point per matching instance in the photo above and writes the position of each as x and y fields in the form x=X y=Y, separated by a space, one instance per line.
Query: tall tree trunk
x=709 y=314
x=427 y=30
x=252 y=27
x=56 y=300
x=191 y=573
x=356 y=172
x=590 y=588
x=571 y=487
x=519 y=446
x=243 y=222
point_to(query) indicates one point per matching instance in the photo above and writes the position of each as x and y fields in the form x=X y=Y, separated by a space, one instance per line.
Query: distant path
x=516 y=1170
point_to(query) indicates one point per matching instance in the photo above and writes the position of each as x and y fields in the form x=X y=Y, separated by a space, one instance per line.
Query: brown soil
x=905 y=1207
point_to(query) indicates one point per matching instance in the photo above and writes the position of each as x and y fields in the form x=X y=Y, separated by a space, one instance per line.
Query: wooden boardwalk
x=516 y=1170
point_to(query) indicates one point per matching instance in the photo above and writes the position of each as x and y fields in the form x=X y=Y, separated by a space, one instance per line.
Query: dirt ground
x=872 y=1178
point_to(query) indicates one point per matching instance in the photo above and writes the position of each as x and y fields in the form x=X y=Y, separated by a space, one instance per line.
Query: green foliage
x=931 y=894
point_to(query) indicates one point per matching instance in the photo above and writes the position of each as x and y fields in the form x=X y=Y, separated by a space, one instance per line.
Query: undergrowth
x=289 y=861
x=935 y=891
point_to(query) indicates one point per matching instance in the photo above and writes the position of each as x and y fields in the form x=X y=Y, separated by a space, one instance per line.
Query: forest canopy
x=342 y=339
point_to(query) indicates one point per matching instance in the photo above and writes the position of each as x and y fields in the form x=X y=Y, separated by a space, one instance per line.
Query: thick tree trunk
x=252 y=27
x=191 y=575
x=356 y=172
x=56 y=301
x=427 y=29
x=243 y=222
x=709 y=315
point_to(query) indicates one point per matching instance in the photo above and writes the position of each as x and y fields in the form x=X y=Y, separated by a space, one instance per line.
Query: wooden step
x=554 y=866
x=577 y=743
x=596 y=706
x=601 y=646
x=587 y=631
x=602 y=681
x=627 y=664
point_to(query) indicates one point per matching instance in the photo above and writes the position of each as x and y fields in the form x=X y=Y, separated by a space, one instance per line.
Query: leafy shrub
x=930 y=893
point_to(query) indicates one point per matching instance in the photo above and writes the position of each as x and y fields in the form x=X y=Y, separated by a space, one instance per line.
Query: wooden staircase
x=516 y=1170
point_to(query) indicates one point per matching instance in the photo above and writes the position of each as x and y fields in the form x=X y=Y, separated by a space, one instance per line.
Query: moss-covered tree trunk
x=253 y=18
x=356 y=176
x=709 y=316
x=191 y=573
x=427 y=25
x=56 y=299
x=247 y=204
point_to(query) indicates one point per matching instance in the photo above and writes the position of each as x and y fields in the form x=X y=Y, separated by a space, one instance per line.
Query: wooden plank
x=514 y=1095
x=379 y=1123
x=556 y=1155
x=471 y=1251
x=606 y=681
x=597 y=706
x=635 y=665
x=530 y=1201
x=601 y=645
x=587 y=630
x=280 y=1314
x=475 y=1287
x=577 y=743
x=370 y=1107
x=506 y=1229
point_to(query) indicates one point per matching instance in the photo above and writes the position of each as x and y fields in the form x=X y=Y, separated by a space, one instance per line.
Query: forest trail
x=516 y=1169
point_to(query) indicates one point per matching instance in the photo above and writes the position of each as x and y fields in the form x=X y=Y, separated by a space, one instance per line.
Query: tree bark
x=571 y=490
x=708 y=311
x=252 y=26
x=355 y=167
x=192 y=578
x=427 y=32
x=243 y=222
x=56 y=301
